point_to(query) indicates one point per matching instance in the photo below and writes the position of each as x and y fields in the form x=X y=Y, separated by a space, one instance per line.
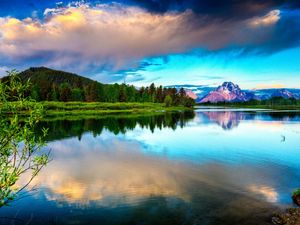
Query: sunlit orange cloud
x=271 y=18
x=267 y=86
x=116 y=35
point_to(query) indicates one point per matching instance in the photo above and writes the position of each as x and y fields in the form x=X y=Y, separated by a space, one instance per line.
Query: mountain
x=231 y=92
x=191 y=94
x=53 y=85
x=283 y=93
x=227 y=92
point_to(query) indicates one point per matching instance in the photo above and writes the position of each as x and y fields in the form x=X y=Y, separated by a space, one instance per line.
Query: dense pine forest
x=53 y=85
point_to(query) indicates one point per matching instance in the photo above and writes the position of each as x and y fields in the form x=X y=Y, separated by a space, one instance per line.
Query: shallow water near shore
x=213 y=166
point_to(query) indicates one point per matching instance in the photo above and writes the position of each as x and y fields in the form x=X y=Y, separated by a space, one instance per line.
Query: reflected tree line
x=117 y=124
x=120 y=124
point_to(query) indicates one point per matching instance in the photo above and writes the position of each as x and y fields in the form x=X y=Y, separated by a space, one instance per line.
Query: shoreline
x=257 y=107
x=289 y=216
x=243 y=109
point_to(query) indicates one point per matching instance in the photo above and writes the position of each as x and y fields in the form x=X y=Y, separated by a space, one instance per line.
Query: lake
x=210 y=167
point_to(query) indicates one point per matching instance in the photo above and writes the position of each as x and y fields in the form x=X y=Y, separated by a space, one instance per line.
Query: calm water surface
x=213 y=167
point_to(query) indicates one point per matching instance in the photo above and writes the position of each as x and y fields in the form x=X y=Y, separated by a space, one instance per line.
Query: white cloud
x=271 y=18
x=3 y=70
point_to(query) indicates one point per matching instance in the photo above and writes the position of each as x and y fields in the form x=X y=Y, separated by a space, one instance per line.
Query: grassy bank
x=75 y=109
x=96 y=108
x=117 y=115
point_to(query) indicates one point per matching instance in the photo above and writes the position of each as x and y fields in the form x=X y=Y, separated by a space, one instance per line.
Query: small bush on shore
x=296 y=197
x=297 y=192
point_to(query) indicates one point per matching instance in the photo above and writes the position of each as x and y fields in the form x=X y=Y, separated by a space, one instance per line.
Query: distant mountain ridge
x=283 y=92
x=230 y=92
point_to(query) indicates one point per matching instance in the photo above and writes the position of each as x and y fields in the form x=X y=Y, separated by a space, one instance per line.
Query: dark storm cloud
x=224 y=9
x=284 y=35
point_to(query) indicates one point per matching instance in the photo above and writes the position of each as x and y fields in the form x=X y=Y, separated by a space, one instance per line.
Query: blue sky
x=253 y=43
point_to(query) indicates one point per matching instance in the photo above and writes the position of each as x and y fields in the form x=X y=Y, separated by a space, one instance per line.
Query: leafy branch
x=20 y=149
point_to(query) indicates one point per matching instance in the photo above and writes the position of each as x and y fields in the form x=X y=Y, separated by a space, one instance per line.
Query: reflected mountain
x=231 y=119
x=227 y=120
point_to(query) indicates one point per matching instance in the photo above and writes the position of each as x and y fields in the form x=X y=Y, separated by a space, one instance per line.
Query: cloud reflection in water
x=117 y=171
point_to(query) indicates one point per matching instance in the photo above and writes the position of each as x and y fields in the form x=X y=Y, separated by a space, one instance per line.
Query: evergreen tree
x=35 y=93
x=168 y=101
x=54 y=93
x=122 y=93
x=131 y=94
x=152 y=92
x=159 y=94
x=141 y=94
x=65 y=92
x=77 y=94
x=101 y=93
x=182 y=93
x=91 y=92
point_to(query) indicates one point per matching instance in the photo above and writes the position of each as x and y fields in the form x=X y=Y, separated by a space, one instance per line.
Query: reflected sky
x=220 y=166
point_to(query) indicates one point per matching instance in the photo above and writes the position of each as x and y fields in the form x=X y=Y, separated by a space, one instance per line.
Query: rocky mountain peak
x=228 y=91
x=229 y=86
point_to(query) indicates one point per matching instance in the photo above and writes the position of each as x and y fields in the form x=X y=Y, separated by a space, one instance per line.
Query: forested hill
x=53 y=85
x=40 y=75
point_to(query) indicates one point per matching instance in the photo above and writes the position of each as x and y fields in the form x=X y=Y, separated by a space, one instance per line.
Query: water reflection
x=60 y=129
x=229 y=119
x=115 y=173
x=118 y=170
x=167 y=169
